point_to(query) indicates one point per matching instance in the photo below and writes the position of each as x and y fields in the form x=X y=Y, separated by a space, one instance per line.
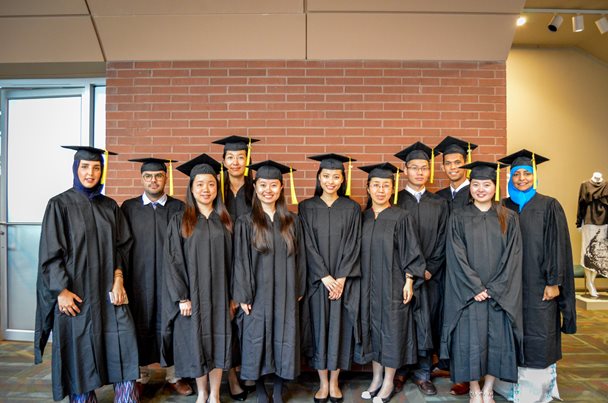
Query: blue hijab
x=89 y=193
x=520 y=198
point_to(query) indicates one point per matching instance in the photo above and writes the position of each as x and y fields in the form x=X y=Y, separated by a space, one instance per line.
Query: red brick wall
x=366 y=109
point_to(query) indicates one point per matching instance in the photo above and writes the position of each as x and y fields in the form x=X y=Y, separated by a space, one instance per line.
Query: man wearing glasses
x=148 y=216
x=430 y=216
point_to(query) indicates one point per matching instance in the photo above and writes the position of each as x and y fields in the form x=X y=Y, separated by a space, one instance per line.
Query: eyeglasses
x=417 y=169
x=378 y=186
x=148 y=177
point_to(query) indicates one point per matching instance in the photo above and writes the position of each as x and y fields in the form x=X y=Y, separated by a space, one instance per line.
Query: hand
x=120 y=295
x=337 y=294
x=233 y=307
x=427 y=275
x=331 y=284
x=551 y=292
x=408 y=291
x=185 y=308
x=246 y=308
x=66 y=301
x=482 y=296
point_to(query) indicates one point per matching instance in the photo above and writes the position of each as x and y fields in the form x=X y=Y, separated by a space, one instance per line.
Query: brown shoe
x=398 y=382
x=426 y=387
x=460 y=389
x=181 y=387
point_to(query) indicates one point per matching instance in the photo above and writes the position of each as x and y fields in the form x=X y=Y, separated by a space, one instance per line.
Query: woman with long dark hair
x=482 y=328
x=199 y=252
x=332 y=229
x=391 y=261
x=269 y=279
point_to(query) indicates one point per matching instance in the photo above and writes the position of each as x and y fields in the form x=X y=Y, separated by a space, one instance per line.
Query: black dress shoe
x=248 y=388
x=320 y=400
x=239 y=396
x=426 y=387
x=336 y=399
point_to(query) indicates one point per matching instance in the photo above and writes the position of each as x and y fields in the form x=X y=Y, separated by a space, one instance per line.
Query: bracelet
x=408 y=275
x=183 y=301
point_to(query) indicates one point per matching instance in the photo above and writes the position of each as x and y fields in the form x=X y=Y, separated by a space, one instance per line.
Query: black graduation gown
x=482 y=338
x=430 y=218
x=145 y=286
x=333 y=241
x=82 y=242
x=198 y=270
x=461 y=198
x=237 y=204
x=271 y=282
x=547 y=260
x=389 y=250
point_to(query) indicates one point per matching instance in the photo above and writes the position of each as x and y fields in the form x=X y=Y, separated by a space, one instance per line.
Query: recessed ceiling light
x=521 y=21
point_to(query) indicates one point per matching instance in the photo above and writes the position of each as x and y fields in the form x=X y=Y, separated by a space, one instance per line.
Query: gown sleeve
x=124 y=243
x=349 y=266
x=243 y=277
x=436 y=261
x=409 y=254
x=562 y=253
x=176 y=275
x=316 y=265
x=301 y=259
x=52 y=274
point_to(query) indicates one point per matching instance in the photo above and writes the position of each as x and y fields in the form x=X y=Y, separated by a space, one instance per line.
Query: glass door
x=33 y=169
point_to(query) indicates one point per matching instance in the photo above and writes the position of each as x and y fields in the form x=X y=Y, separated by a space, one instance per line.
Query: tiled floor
x=583 y=374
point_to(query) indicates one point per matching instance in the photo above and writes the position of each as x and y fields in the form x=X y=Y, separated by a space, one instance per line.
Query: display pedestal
x=586 y=301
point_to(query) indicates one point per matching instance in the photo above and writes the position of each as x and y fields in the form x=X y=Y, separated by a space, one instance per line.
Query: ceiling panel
x=203 y=37
x=42 y=7
x=193 y=7
x=409 y=36
x=48 y=39
x=460 y=6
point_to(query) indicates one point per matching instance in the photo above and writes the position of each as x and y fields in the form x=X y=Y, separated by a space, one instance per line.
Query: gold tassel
x=497 y=196
x=396 y=187
x=170 y=178
x=104 y=175
x=534 y=171
x=222 y=179
x=347 y=193
x=432 y=165
x=248 y=158
x=294 y=200
x=469 y=159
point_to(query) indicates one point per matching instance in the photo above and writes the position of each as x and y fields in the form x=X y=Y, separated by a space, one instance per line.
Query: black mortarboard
x=89 y=153
x=203 y=164
x=152 y=164
x=385 y=170
x=417 y=151
x=235 y=143
x=523 y=158
x=331 y=161
x=483 y=170
x=273 y=170
x=270 y=170
x=452 y=145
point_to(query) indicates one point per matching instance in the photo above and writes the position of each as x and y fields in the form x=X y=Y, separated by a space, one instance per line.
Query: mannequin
x=592 y=218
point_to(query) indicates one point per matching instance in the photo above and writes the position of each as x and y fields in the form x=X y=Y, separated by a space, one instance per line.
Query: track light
x=602 y=25
x=555 y=23
x=578 y=23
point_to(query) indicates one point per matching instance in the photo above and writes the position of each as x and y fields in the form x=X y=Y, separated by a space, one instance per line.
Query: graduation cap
x=238 y=143
x=157 y=164
x=384 y=170
x=203 y=164
x=335 y=161
x=419 y=151
x=482 y=170
x=524 y=158
x=87 y=153
x=273 y=170
x=452 y=145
